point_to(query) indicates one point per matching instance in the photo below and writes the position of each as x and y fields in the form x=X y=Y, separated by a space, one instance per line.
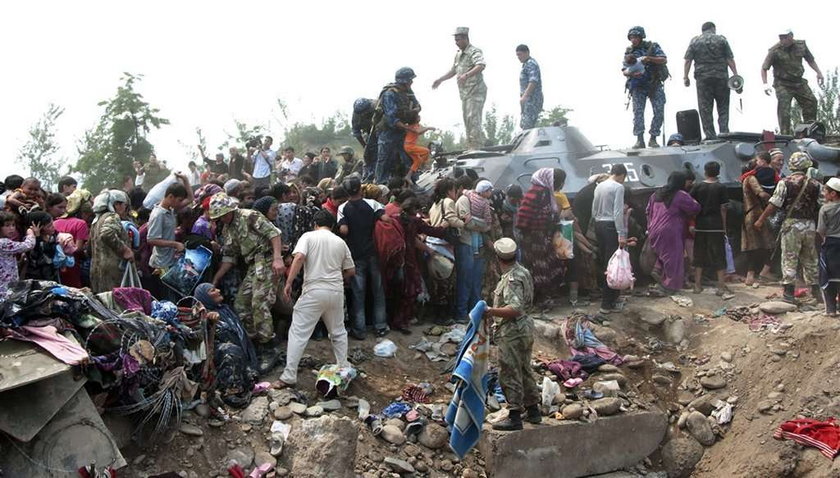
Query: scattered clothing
x=823 y=435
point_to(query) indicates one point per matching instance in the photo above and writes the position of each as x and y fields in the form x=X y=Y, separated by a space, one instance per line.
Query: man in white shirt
x=327 y=263
x=263 y=163
x=289 y=167
x=610 y=228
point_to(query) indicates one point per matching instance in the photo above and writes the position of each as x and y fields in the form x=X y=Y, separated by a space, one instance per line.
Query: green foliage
x=497 y=130
x=556 y=114
x=828 y=102
x=333 y=132
x=108 y=150
x=447 y=139
x=244 y=132
x=39 y=151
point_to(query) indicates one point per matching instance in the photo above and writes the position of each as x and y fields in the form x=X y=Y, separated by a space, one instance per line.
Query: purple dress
x=666 y=233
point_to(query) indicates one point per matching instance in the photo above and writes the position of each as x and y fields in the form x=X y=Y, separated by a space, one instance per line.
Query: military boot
x=511 y=423
x=533 y=414
x=788 y=293
x=652 y=143
x=640 y=143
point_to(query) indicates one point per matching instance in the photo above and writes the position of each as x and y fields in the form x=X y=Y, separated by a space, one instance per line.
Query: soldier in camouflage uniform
x=530 y=88
x=786 y=59
x=468 y=65
x=646 y=85
x=248 y=236
x=711 y=55
x=798 y=196
x=515 y=337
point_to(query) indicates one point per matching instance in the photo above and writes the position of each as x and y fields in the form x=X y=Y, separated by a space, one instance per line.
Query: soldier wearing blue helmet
x=647 y=84
x=390 y=122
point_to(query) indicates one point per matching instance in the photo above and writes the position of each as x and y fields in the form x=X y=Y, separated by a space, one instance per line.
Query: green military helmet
x=347 y=150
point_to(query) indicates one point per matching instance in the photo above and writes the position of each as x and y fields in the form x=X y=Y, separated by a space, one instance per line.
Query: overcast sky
x=206 y=63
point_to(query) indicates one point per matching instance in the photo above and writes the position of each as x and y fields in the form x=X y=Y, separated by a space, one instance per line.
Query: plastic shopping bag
x=619 y=271
x=730 y=259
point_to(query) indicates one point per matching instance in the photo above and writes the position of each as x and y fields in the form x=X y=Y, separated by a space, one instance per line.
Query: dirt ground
x=795 y=369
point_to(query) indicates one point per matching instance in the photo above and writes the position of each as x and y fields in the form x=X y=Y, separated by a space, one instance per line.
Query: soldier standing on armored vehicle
x=711 y=55
x=786 y=59
x=530 y=88
x=646 y=84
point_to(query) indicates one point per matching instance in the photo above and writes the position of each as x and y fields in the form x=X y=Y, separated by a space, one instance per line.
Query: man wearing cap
x=786 y=59
x=646 y=85
x=711 y=55
x=798 y=196
x=530 y=88
x=391 y=122
x=250 y=238
x=348 y=164
x=515 y=337
x=468 y=66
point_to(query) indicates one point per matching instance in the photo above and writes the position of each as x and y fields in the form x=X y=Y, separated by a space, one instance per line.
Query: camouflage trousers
x=531 y=112
x=801 y=92
x=472 y=108
x=709 y=92
x=799 y=251
x=656 y=93
x=515 y=339
x=257 y=294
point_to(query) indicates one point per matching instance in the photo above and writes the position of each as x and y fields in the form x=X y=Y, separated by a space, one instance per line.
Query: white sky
x=206 y=63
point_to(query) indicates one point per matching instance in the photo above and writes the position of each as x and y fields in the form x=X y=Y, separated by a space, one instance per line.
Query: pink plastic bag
x=619 y=271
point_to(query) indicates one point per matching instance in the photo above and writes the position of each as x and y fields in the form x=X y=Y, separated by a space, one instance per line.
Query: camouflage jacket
x=465 y=61
x=515 y=289
x=710 y=53
x=787 y=62
x=248 y=236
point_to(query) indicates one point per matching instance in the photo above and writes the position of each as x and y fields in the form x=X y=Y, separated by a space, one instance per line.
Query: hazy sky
x=206 y=63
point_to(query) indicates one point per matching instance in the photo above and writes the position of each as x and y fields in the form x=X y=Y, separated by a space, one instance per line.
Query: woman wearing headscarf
x=758 y=185
x=474 y=209
x=442 y=276
x=267 y=205
x=668 y=212
x=71 y=223
x=108 y=240
x=229 y=328
x=536 y=220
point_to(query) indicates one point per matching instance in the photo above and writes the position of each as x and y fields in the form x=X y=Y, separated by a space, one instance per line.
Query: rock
x=434 y=436
x=319 y=447
x=572 y=411
x=609 y=368
x=700 y=429
x=412 y=450
x=713 y=382
x=621 y=379
x=215 y=423
x=395 y=422
x=765 y=406
x=469 y=473
x=283 y=413
x=256 y=411
x=674 y=330
x=191 y=430
x=603 y=334
x=726 y=357
x=606 y=406
x=684 y=398
x=330 y=405
x=776 y=307
x=682 y=419
x=392 y=434
x=680 y=456
x=264 y=457
x=281 y=472
x=202 y=410
x=297 y=408
x=662 y=380
x=775 y=395
x=732 y=400
x=314 y=411
x=608 y=388
x=400 y=466
x=653 y=319
x=244 y=455
x=446 y=465
x=634 y=364
x=282 y=396
x=703 y=404
x=138 y=460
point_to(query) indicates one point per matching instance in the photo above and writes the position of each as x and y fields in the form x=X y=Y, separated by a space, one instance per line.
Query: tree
x=497 y=131
x=108 y=150
x=333 y=132
x=39 y=151
x=554 y=115
x=828 y=104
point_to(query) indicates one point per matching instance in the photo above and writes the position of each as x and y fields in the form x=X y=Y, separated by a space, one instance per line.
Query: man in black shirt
x=356 y=221
x=710 y=230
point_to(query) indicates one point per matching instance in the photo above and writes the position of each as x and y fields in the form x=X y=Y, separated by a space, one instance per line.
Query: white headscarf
x=105 y=201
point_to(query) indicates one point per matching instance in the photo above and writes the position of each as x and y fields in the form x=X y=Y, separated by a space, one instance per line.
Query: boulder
x=283 y=413
x=314 y=411
x=704 y=404
x=396 y=422
x=680 y=455
x=606 y=406
x=434 y=436
x=392 y=434
x=256 y=411
x=776 y=307
x=298 y=408
x=324 y=446
x=713 y=382
x=699 y=427
x=608 y=368
x=606 y=377
x=572 y=411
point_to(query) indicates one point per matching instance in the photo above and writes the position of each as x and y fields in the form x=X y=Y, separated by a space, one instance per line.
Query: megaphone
x=736 y=82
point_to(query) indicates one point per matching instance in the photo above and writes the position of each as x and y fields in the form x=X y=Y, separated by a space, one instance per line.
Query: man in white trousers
x=326 y=262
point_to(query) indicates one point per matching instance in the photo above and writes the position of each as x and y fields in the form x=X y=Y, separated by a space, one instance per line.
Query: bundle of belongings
x=140 y=356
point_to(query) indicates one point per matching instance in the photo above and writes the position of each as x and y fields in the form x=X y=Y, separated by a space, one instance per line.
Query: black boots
x=787 y=293
x=511 y=423
x=533 y=414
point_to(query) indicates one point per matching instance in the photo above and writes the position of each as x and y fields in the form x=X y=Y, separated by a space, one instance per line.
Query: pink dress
x=9 y=250
x=79 y=229
x=666 y=233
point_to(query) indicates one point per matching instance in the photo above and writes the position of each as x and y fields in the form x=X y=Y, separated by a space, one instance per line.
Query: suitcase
x=688 y=125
